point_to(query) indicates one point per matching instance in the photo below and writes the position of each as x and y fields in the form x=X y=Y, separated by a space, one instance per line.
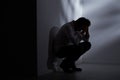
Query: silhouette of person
x=71 y=41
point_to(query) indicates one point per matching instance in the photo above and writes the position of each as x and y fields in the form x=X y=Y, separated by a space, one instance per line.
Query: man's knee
x=87 y=45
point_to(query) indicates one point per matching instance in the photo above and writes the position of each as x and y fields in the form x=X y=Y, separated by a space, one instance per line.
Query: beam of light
x=72 y=10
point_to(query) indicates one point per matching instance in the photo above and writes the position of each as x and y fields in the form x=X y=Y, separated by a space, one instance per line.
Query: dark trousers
x=71 y=53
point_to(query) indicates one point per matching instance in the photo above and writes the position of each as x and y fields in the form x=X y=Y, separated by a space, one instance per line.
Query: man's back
x=65 y=36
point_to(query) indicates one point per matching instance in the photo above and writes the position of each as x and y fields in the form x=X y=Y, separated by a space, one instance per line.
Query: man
x=71 y=41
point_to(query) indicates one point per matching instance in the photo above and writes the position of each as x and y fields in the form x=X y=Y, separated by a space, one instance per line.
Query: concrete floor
x=89 y=72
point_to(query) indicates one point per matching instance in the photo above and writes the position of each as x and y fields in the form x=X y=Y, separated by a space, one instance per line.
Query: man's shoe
x=66 y=68
x=76 y=69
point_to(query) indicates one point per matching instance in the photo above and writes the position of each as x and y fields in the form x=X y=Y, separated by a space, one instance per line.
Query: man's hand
x=85 y=35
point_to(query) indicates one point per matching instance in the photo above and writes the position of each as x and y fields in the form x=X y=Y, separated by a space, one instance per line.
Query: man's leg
x=72 y=54
x=66 y=52
x=79 y=50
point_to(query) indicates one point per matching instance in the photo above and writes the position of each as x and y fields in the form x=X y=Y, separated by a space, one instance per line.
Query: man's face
x=85 y=28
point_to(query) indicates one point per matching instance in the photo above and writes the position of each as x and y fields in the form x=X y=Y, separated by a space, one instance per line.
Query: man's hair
x=83 y=21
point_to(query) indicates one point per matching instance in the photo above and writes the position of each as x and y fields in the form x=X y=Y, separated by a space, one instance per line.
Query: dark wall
x=48 y=15
x=20 y=18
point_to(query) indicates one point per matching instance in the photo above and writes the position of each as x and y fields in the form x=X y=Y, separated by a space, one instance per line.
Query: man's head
x=82 y=23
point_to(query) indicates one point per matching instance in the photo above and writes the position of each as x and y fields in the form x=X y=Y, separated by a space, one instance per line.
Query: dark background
x=20 y=33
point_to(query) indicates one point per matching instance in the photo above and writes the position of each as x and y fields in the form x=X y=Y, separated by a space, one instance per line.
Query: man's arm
x=86 y=35
x=72 y=35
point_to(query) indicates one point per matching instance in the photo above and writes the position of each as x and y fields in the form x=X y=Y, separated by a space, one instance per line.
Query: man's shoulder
x=68 y=24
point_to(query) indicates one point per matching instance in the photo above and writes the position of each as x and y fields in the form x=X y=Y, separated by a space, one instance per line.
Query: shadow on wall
x=51 y=54
x=48 y=15
x=53 y=62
